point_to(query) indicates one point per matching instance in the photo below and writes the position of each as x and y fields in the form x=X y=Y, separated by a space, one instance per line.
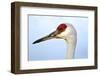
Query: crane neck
x=71 y=44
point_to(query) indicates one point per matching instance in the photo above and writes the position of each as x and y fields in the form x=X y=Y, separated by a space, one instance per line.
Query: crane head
x=60 y=33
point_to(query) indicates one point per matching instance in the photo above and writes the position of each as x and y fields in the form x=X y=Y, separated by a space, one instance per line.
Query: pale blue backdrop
x=55 y=49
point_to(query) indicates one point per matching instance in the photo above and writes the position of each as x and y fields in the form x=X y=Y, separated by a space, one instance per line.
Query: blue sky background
x=55 y=49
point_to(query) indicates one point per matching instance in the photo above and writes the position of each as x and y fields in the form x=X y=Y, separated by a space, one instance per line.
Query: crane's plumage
x=64 y=31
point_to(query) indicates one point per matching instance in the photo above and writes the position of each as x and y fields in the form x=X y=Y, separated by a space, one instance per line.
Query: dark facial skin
x=61 y=27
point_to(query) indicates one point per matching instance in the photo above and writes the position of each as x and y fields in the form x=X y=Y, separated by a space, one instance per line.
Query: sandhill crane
x=67 y=32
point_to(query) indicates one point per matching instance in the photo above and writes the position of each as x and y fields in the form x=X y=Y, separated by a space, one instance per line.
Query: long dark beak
x=48 y=37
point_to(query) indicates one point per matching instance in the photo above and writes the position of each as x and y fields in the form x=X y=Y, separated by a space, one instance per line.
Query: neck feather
x=71 y=44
